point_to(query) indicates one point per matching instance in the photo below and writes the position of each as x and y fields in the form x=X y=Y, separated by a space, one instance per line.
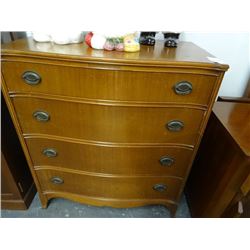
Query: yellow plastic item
x=131 y=43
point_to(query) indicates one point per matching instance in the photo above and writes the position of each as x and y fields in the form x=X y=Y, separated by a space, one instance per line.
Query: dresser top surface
x=235 y=117
x=186 y=53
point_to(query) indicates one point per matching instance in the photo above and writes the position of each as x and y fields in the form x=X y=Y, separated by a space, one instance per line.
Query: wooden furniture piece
x=247 y=91
x=109 y=128
x=219 y=182
x=240 y=204
x=17 y=186
x=233 y=99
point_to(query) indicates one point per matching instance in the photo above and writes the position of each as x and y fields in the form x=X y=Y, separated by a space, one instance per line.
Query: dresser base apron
x=116 y=203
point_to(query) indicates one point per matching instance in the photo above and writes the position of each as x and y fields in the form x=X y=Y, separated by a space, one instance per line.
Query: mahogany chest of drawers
x=109 y=128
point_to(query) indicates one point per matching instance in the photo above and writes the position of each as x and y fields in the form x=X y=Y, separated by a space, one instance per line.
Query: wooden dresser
x=17 y=185
x=109 y=128
x=221 y=168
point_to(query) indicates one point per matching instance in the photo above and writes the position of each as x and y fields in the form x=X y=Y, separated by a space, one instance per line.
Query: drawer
x=114 y=160
x=109 y=123
x=108 y=187
x=101 y=84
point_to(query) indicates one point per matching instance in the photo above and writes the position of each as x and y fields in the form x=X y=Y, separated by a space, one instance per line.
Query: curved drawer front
x=108 y=123
x=110 y=160
x=103 y=84
x=106 y=187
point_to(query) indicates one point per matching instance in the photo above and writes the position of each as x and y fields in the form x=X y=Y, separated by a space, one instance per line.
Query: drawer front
x=110 y=160
x=108 y=123
x=107 y=187
x=109 y=84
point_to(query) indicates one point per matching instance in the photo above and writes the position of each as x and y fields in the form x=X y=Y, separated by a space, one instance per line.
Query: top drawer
x=105 y=84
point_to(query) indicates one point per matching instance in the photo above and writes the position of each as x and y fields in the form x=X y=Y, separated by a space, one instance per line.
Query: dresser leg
x=172 y=209
x=43 y=200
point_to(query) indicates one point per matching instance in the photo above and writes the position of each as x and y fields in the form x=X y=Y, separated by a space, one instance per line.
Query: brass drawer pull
x=183 y=88
x=31 y=78
x=160 y=187
x=166 y=161
x=41 y=116
x=50 y=152
x=175 y=125
x=56 y=180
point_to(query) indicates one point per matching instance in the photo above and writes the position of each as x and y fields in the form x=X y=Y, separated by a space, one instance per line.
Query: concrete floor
x=61 y=208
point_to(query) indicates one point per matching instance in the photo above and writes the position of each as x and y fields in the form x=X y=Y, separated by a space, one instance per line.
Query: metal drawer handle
x=41 y=116
x=31 y=78
x=160 y=187
x=50 y=152
x=166 y=161
x=56 y=180
x=175 y=125
x=183 y=88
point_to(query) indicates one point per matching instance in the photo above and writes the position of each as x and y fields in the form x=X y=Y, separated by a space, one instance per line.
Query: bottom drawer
x=109 y=187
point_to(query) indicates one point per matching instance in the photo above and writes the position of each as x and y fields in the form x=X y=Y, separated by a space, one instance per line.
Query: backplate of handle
x=31 y=77
x=56 y=180
x=41 y=116
x=183 y=88
x=175 y=125
x=166 y=161
x=50 y=152
x=160 y=187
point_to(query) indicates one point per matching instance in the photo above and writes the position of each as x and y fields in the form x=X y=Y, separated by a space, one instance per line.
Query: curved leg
x=172 y=208
x=43 y=200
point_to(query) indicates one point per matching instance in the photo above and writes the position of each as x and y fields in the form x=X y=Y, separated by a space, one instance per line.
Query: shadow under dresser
x=109 y=128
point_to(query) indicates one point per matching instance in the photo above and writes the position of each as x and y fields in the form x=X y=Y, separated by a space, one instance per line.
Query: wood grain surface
x=110 y=159
x=120 y=85
x=108 y=115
